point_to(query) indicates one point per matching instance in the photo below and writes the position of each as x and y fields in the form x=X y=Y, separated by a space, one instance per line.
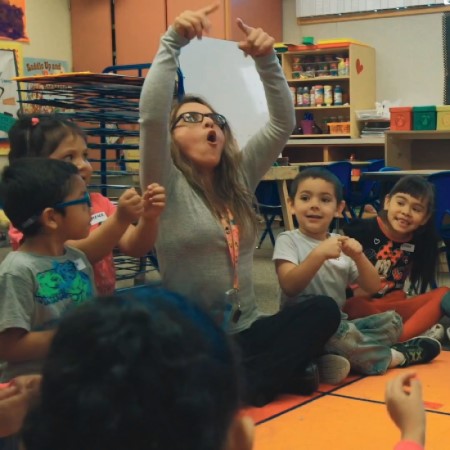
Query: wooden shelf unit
x=418 y=149
x=358 y=88
x=337 y=149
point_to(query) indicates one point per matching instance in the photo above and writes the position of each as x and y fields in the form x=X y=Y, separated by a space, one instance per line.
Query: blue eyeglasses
x=79 y=201
x=85 y=199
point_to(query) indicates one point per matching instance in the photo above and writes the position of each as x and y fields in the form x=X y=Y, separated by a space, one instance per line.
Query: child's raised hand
x=256 y=42
x=190 y=24
x=405 y=406
x=350 y=247
x=130 y=206
x=330 y=248
x=154 y=201
x=15 y=400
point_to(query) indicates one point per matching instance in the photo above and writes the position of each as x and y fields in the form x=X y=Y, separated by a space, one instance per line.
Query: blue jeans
x=367 y=342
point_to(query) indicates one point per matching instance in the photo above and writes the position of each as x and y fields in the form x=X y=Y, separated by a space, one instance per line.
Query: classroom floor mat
x=353 y=416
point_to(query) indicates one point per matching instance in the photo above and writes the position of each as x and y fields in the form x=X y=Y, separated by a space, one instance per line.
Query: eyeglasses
x=85 y=199
x=79 y=201
x=197 y=117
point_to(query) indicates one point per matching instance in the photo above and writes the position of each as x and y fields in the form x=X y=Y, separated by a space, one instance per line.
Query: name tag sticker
x=407 y=247
x=80 y=264
x=98 y=218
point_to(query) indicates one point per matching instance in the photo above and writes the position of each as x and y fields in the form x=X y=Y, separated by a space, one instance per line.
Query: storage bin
x=401 y=118
x=339 y=127
x=443 y=117
x=424 y=117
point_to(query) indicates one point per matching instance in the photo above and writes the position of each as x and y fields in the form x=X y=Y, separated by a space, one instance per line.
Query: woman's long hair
x=229 y=188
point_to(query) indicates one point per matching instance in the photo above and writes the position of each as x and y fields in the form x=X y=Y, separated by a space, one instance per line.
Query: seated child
x=402 y=243
x=54 y=138
x=47 y=201
x=142 y=345
x=311 y=261
x=159 y=374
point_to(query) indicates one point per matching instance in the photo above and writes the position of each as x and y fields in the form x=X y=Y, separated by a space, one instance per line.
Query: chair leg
x=268 y=230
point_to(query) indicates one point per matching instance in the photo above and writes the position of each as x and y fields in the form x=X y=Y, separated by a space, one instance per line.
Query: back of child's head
x=320 y=173
x=29 y=185
x=426 y=253
x=138 y=371
x=33 y=136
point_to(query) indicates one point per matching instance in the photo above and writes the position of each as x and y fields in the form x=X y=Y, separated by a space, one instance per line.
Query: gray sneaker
x=436 y=331
x=333 y=369
x=418 y=350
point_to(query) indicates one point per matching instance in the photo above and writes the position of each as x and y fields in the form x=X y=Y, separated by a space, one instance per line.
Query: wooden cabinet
x=328 y=150
x=312 y=68
x=415 y=150
x=91 y=35
x=139 y=25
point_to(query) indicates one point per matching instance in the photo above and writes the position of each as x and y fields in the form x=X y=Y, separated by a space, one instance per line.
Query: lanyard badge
x=233 y=306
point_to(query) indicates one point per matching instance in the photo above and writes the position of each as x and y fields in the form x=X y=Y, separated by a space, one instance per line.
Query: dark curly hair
x=139 y=371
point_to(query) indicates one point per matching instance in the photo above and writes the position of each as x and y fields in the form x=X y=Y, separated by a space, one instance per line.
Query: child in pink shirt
x=111 y=226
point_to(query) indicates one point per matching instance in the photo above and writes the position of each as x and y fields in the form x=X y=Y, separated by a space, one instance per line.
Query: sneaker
x=418 y=350
x=333 y=369
x=305 y=382
x=436 y=331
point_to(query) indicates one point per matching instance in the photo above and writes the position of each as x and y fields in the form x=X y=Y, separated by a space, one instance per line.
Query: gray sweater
x=191 y=246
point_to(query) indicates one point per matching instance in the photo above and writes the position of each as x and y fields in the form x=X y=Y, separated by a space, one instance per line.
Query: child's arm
x=19 y=345
x=102 y=240
x=140 y=239
x=368 y=278
x=15 y=400
x=405 y=406
x=294 y=278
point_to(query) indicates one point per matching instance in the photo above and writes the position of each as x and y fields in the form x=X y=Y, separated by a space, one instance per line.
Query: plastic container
x=305 y=96
x=401 y=118
x=443 y=117
x=341 y=67
x=293 y=90
x=318 y=90
x=339 y=127
x=337 y=95
x=307 y=126
x=312 y=96
x=328 y=95
x=299 y=96
x=424 y=117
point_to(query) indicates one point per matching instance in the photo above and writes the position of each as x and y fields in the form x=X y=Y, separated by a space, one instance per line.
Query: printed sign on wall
x=35 y=67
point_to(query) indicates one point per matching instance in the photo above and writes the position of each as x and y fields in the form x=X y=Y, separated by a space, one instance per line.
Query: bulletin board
x=323 y=11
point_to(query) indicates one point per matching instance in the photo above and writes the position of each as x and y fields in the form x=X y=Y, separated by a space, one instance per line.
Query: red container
x=401 y=118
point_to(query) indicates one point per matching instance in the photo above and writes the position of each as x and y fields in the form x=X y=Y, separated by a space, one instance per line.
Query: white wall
x=48 y=24
x=409 y=51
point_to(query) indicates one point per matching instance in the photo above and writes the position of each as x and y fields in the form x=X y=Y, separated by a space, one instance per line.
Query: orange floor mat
x=353 y=416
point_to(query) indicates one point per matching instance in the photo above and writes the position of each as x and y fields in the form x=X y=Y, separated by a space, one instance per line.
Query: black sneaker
x=418 y=350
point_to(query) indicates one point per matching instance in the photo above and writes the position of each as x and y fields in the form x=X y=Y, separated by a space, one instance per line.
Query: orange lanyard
x=232 y=236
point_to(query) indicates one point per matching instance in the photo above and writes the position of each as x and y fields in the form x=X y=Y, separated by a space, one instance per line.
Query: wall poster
x=13 y=20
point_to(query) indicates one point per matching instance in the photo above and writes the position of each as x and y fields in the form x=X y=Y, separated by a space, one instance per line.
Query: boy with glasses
x=47 y=201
